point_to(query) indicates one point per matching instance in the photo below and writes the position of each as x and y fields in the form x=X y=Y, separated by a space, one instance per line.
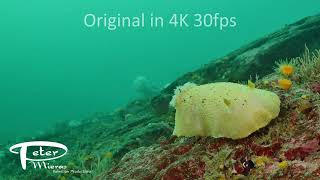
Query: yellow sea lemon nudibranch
x=284 y=84
x=222 y=110
x=286 y=69
x=251 y=84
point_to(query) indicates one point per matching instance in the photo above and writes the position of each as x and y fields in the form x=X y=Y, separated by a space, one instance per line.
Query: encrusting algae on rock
x=222 y=110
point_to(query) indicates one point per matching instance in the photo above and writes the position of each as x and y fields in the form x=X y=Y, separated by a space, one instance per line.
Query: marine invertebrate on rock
x=284 y=84
x=286 y=69
x=222 y=110
x=247 y=165
x=243 y=167
x=251 y=84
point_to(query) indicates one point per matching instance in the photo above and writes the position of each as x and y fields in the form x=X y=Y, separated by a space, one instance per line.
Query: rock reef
x=136 y=142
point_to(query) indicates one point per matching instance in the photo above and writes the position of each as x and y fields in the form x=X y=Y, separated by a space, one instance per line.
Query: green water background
x=52 y=68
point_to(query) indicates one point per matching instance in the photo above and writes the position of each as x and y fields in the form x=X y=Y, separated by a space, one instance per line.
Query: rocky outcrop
x=135 y=142
x=287 y=149
x=256 y=58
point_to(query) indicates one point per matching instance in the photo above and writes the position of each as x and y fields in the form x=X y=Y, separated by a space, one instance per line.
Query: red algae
x=213 y=147
x=169 y=141
x=182 y=149
x=238 y=154
x=294 y=118
x=239 y=169
x=315 y=87
x=191 y=169
x=165 y=162
x=269 y=151
x=316 y=172
x=304 y=150
x=172 y=156
x=312 y=115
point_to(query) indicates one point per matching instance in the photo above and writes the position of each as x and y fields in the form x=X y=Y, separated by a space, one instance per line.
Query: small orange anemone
x=284 y=84
x=286 y=69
